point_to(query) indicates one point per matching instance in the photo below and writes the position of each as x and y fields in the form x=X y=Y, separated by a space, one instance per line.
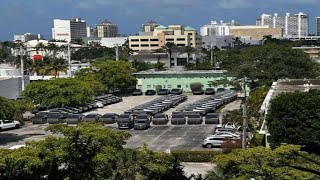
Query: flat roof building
x=69 y=30
x=178 y=79
x=296 y=25
x=255 y=32
x=27 y=37
x=177 y=34
x=106 y=29
x=215 y=28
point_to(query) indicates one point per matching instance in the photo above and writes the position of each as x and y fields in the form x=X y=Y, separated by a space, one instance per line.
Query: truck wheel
x=17 y=126
x=209 y=145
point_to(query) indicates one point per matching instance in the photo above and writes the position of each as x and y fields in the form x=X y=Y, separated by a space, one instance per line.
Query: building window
x=191 y=44
x=154 y=40
x=169 y=86
x=178 y=86
x=171 y=39
x=154 y=45
x=187 y=86
x=134 y=45
x=181 y=39
x=190 y=34
x=134 y=40
x=164 y=86
x=144 y=45
x=144 y=40
x=148 y=86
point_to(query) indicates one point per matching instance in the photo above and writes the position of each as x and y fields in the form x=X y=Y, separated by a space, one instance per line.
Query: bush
x=195 y=156
x=257 y=140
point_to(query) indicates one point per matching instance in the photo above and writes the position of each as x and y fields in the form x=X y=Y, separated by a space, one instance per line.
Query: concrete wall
x=219 y=41
x=10 y=88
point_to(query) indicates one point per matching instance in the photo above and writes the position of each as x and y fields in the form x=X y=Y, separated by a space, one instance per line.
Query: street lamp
x=22 y=68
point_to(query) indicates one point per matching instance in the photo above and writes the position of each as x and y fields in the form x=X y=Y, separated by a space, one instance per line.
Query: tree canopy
x=7 y=109
x=59 y=93
x=285 y=162
x=114 y=74
x=294 y=118
x=87 y=151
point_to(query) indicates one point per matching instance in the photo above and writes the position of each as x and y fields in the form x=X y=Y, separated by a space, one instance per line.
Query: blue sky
x=35 y=16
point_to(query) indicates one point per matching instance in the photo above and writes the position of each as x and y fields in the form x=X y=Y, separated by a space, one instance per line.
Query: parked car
x=214 y=141
x=137 y=92
x=227 y=130
x=9 y=124
x=163 y=92
x=56 y=118
x=142 y=122
x=198 y=92
x=228 y=134
x=99 y=104
x=195 y=118
x=160 y=119
x=39 y=119
x=178 y=118
x=150 y=92
x=125 y=121
x=92 y=117
x=209 y=91
x=220 y=90
x=73 y=118
x=212 y=118
x=176 y=91
x=109 y=118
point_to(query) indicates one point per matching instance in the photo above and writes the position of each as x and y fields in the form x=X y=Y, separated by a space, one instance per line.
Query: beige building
x=106 y=29
x=177 y=34
x=255 y=32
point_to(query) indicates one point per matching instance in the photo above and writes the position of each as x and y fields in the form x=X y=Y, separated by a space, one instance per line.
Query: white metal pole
x=244 y=108
x=117 y=52
x=69 y=60
x=22 y=68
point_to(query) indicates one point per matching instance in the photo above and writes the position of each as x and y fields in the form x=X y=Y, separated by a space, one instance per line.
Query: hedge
x=195 y=156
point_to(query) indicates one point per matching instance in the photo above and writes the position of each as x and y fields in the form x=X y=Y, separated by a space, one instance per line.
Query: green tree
x=59 y=93
x=20 y=107
x=7 y=108
x=56 y=65
x=90 y=76
x=188 y=50
x=294 y=118
x=285 y=162
x=115 y=74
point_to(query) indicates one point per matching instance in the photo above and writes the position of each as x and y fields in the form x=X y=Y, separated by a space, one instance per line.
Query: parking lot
x=158 y=138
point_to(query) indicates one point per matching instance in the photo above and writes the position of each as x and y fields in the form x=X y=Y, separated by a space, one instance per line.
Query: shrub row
x=195 y=156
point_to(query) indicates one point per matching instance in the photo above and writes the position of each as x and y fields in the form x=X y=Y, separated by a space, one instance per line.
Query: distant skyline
x=36 y=16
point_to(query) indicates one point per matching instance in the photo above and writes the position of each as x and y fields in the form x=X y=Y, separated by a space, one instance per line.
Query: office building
x=177 y=34
x=296 y=25
x=222 y=42
x=69 y=30
x=90 y=31
x=106 y=29
x=27 y=37
x=255 y=32
x=318 y=25
x=149 y=26
x=215 y=28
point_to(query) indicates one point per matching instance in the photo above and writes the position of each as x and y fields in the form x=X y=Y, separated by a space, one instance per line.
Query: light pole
x=69 y=60
x=244 y=114
x=117 y=52
x=22 y=68
x=211 y=57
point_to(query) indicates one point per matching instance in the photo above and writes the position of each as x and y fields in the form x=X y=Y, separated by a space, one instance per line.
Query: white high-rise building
x=69 y=30
x=296 y=25
x=215 y=28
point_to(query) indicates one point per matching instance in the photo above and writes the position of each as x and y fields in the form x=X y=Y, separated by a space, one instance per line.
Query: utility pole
x=69 y=60
x=244 y=111
x=21 y=68
x=211 y=56
x=117 y=52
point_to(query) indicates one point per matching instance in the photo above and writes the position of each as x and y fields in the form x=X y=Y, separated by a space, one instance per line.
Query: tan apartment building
x=177 y=34
x=106 y=29
x=255 y=32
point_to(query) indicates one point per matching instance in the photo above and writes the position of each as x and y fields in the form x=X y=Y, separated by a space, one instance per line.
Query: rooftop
x=178 y=71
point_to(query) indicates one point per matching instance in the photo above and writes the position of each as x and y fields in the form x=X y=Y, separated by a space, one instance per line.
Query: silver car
x=213 y=141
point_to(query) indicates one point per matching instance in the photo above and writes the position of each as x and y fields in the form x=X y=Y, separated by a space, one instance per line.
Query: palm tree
x=56 y=65
x=38 y=68
x=169 y=47
x=188 y=50
x=53 y=48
